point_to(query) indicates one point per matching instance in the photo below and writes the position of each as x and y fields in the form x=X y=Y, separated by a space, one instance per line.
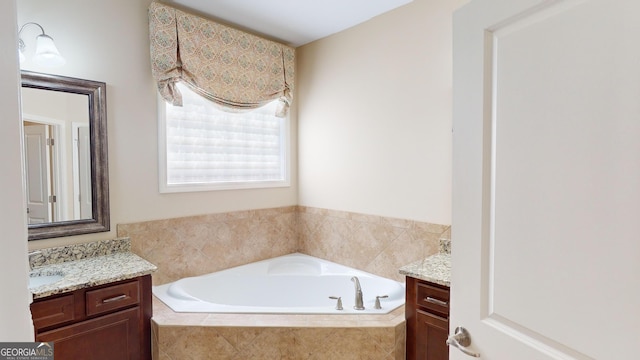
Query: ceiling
x=293 y=22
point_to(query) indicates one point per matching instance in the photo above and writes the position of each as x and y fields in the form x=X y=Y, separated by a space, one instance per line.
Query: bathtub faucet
x=359 y=305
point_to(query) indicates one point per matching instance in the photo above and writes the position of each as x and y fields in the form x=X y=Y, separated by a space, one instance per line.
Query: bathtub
x=292 y=284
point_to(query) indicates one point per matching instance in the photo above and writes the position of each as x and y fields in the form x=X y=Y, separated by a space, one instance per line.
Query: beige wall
x=108 y=41
x=373 y=102
x=375 y=116
x=15 y=319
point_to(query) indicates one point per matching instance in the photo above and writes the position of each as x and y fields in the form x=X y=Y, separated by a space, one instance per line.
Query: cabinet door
x=108 y=337
x=434 y=330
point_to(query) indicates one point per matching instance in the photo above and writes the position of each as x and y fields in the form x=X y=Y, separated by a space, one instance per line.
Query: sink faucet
x=359 y=305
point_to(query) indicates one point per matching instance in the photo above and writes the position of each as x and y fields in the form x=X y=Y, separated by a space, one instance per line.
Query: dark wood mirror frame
x=96 y=92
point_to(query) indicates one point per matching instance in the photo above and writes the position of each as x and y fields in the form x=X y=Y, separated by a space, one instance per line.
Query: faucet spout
x=359 y=304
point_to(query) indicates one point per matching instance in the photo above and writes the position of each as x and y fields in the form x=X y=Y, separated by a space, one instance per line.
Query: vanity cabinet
x=111 y=321
x=427 y=316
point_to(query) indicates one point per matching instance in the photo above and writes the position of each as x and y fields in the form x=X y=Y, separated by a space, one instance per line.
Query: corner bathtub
x=293 y=284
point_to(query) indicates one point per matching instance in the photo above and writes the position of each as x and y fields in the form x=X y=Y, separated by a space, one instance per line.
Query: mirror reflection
x=65 y=151
x=57 y=157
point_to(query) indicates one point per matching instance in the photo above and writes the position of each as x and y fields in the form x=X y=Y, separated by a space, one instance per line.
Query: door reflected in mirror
x=57 y=157
x=65 y=151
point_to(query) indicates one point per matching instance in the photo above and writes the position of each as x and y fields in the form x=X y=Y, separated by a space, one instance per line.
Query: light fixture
x=46 y=52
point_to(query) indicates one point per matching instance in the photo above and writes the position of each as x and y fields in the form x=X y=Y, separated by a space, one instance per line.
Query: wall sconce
x=46 y=52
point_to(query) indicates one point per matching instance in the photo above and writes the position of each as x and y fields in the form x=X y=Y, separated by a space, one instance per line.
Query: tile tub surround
x=203 y=244
x=87 y=265
x=376 y=244
x=198 y=245
x=263 y=336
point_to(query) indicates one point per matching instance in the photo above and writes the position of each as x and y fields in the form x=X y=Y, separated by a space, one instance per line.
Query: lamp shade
x=46 y=52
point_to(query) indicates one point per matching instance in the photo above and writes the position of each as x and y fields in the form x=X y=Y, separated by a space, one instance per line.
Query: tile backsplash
x=202 y=244
x=61 y=254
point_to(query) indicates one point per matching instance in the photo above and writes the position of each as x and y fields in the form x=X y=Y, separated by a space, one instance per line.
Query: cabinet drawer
x=53 y=311
x=112 y=298
x=433 y=298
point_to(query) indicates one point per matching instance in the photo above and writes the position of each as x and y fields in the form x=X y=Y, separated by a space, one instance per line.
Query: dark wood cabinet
x=427 y=315
x=107 y=322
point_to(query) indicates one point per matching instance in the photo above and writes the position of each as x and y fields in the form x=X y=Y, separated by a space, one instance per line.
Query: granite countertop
x=435 y=269
x=86 y=271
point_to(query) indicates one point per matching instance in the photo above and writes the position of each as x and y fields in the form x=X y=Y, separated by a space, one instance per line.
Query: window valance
x=230 y=67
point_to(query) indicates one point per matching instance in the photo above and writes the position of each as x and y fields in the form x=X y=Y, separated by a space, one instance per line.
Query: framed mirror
x=65 y=150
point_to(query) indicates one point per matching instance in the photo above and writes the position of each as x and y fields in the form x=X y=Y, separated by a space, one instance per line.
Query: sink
x=41 y=278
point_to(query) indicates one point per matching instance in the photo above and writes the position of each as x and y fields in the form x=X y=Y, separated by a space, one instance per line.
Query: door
x=546 y=189
x=38 y=173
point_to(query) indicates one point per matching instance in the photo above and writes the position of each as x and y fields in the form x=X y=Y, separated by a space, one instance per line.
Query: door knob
x=461 y=339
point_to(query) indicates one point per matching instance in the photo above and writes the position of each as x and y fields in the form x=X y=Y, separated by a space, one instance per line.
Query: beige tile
x=199 y=343
x=446 y=234
x=354 y=344
x=384 y=337
x=401 y=337
x=301 y=339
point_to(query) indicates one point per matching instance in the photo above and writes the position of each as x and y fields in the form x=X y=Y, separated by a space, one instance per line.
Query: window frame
x=164 y=187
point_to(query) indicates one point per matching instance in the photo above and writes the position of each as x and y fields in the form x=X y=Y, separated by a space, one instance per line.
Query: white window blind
x=207 y=148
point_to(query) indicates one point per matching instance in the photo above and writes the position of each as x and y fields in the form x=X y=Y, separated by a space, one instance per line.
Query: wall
x=108 y=41
x=375 y=116
x=15 y=319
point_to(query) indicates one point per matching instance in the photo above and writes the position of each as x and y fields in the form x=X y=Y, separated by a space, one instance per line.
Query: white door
x=546 y=190
x=37 y=173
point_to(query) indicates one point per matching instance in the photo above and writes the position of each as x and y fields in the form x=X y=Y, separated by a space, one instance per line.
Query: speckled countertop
x=87 y=265
x=435 y=269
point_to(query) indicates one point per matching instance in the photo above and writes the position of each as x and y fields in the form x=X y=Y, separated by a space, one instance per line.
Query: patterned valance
x=227 y=66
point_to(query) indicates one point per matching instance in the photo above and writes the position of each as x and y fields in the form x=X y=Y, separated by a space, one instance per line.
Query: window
x=205 y=148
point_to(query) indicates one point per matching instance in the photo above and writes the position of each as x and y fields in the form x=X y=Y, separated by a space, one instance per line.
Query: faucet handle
x=377 y=304
x=339 y=303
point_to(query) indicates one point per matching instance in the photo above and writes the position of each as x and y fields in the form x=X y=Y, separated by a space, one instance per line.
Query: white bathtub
x=293 y=284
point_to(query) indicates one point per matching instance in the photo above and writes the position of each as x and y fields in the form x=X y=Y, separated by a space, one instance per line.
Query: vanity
x=89 y=306
x=427 y=307
x=93 y=300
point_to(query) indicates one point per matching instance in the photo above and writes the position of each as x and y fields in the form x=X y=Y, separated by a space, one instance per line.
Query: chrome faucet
x=359 y=305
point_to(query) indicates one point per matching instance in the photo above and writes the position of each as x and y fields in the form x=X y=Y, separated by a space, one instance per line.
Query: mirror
x=65 y=155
